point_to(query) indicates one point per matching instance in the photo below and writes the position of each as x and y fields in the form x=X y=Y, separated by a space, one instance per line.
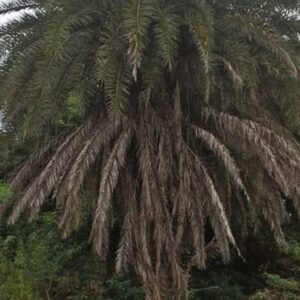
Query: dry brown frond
x=32 y=165
x=43 y=185
x=250 y=140
x=108 y=183
x=74 y=180
x=216 y=212
x=223 y=153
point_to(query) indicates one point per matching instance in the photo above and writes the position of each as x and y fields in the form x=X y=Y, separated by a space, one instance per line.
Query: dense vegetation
x=166 y=133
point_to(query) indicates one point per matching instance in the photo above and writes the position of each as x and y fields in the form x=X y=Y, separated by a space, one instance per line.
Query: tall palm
x=185 y=110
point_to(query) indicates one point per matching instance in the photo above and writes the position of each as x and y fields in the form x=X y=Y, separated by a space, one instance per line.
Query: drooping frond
x=31 y=166
x=249 y=138
x=137 y=18
x=167 y=35
x=216 y=213
x=125 y=252
x=223 y=153
x=113 y=70
x=235 y=76
x=109 y=179
x=39 y=190
x=72 y=182
x=264 y=38
x=200 y=23
x=153 y=67
x=116 y=87
x=12 y=90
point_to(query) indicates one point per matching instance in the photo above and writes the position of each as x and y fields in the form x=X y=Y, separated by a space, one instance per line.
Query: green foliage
x=15 y=283
x=36 y=264
x=137 y=20
x=293 y=249
x=273 y=294
x=119 y=288
x=167 y=35
x=218 y=284
x=275 y=281
x=279 y=288
x=4 y=192
x=282 y=279
x=34 y=258
x=12 y=152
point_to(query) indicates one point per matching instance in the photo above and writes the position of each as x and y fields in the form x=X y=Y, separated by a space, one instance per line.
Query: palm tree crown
x=186 y=117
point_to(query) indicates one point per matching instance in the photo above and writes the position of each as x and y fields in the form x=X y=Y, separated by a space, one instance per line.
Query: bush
x=3 y=192
x=276 y=282
x=35 y=263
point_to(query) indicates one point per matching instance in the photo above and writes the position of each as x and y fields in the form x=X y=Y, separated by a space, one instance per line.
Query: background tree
x=182 y=122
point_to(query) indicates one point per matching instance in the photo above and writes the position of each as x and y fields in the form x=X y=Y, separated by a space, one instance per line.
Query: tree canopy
x=180 y=118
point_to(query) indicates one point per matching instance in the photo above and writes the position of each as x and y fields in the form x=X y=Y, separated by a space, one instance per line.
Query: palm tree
x=187 y=115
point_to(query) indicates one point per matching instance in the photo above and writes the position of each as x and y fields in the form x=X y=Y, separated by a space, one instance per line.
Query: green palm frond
x=137 y=18
x=167 y=34
x=265 y=38
x=201 y=27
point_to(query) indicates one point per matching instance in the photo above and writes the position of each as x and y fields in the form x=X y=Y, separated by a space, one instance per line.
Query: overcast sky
x=7 y=17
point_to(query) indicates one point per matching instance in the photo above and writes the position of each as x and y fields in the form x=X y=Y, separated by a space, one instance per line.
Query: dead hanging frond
x=272 y=208
x=216 y=212
x=223 y=153
x=189 y=209
x=125 y=253
x=276 y=150
x=42 y=186
x=281 y=141
x=72 y=184
x=146 y=161
x=156 y=229
x=32 y=165
x=183 y=196
x=109 y=180
x=234 y=129
x=236 y=78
